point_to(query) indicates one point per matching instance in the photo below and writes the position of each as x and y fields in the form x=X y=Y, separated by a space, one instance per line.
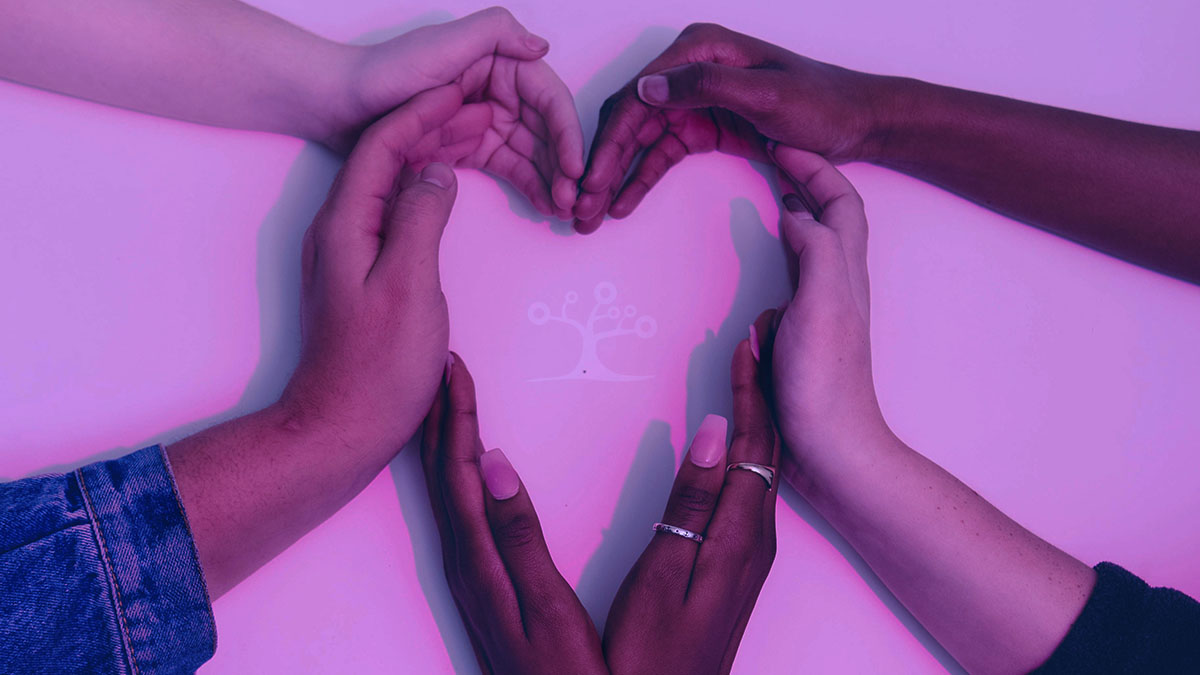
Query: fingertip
x=499 y=475
x=653 y=89
x=536 y=44
x=439 y=175
x=587 y=226
x=565 y=194
x=708 y=446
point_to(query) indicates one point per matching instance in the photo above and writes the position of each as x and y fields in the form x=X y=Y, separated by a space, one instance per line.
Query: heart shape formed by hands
x=506 y=112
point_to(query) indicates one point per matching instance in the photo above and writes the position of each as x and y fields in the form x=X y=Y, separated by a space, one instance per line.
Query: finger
x=621 y=116
x=737 y=533
x=693 y=497
x=522 y=174
x=480 y=568
x=540 y=590
x=665 y=153
x=837 y=203
x=540 y=86
x=413 y=229
x=749 y=92
x=347 y=231
x=431 y=439
x=462 y=42
x=586 y=224
x=840 y=208
x=431 y=443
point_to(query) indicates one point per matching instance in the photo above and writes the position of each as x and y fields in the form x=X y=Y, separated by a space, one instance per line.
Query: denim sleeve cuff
x=158 y=590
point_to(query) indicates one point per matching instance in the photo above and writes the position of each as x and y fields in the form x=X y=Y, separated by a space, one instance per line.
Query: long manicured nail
x=754 y=343
x=438 y=174
x=499 y=476
x=708 y=447
x=653 y=89
x=449 y=367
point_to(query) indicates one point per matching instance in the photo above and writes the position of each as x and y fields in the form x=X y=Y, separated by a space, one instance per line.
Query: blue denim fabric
x=99 y=573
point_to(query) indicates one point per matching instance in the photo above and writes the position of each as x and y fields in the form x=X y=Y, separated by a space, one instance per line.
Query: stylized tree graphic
x=606 y=310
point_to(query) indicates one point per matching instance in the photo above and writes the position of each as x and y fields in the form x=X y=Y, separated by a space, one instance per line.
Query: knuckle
x=498 y=13
x=697 y=79
x=755 y=436
x=693 y=500
x=516 y=531
x=654 y=580
x=703 y=29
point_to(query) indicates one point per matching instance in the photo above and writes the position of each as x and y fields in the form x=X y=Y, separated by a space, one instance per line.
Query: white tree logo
x=614 y=318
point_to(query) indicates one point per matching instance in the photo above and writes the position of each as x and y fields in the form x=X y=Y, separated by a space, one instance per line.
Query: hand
x=535 y=141
x=714 y=89
x=374 y=319
x=521 y=615
x=684 y=606
x=824 y=393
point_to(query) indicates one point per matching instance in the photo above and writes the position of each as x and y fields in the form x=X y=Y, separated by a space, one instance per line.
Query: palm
x=522 y=132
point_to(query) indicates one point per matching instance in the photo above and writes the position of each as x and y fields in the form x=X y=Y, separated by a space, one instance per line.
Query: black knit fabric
x=1129 y=627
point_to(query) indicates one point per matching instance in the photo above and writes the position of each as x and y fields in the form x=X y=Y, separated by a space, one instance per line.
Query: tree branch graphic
x=607 y=320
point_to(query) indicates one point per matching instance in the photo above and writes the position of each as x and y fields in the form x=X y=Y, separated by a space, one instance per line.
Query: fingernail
x=438 y=174
x=498 y=475
x=794 y=203
x=536 y=43
x=708 y=447
x=653 y=89
x=449 y=368
x=754 y=343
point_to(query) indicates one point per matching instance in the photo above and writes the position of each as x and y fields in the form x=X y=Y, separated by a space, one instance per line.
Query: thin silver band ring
x=765 y=472
x=671 y=529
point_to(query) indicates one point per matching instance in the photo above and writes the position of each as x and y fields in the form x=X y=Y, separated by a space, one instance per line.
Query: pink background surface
x=150 y=276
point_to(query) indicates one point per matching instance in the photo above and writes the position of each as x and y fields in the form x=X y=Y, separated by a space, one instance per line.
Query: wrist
x=893 y=103
x=331 y=107
x=820 y=460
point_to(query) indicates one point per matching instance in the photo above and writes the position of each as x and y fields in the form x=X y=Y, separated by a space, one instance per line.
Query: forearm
x=216 y=62
x=996 y=596
x=1123 y=188
x=254 y=485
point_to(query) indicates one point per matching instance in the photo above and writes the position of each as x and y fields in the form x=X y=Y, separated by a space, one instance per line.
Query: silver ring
x=686 y=534
x=765 y=472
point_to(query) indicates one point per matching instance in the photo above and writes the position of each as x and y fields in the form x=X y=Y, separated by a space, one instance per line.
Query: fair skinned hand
x=714 y=89
x=519 y=612
x=823 y=389
x=374 y=319
x=534 y=139
x=684 y=606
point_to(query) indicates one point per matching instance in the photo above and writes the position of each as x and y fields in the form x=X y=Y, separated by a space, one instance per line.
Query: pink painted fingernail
x=449 y=367
x=708 y=447
x=754 y=343
x=653 y=89
x=499 y=476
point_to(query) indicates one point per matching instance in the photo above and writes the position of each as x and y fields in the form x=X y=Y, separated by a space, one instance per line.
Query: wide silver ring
x=765 y=472
x=671 y=529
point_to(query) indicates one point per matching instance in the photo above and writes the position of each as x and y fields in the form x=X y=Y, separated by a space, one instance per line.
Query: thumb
x=744 y=91
x=412 y=229
x=817 y=247
x=490 y=31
